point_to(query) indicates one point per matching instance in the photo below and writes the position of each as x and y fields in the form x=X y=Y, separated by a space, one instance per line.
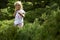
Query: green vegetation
x=42 y=21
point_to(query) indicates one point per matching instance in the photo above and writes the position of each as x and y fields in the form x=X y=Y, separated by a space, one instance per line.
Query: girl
x=19 y=14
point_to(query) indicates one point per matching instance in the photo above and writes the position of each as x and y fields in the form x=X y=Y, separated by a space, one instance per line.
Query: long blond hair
x=20 y=3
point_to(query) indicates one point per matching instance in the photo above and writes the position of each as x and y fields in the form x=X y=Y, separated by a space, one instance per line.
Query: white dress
x=18 y=17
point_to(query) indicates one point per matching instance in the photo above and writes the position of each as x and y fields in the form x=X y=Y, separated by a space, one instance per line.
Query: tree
x=3 y=3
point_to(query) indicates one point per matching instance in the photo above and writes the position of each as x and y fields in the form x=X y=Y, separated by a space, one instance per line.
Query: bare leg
x=20 y=25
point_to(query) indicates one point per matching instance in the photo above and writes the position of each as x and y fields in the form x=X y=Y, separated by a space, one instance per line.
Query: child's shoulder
x=21 y=10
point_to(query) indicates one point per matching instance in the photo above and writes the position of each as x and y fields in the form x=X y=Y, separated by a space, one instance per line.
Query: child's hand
x=15 y=9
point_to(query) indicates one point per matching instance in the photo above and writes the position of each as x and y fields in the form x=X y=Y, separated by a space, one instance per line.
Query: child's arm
x=22 y=14
x=14 y=14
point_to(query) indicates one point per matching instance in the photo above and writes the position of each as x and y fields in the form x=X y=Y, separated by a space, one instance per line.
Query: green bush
x=49 y=17
x=49 y=30
x=27 y=6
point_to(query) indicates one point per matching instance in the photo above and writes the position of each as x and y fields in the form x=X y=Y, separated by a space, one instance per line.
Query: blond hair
x=20 y=3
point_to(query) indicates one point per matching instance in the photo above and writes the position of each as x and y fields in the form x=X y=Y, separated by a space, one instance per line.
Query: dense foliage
x=42 y=20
